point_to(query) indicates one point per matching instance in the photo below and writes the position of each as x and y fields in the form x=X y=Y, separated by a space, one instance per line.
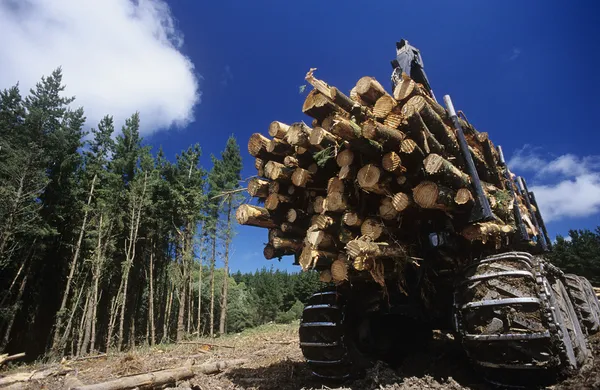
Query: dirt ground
x=274 y=361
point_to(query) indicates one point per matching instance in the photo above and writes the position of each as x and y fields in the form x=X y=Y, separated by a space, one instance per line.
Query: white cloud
x=564 y=186
x=117 y=56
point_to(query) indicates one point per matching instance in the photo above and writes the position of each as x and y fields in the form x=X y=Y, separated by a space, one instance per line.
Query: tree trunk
x=228 y=235
x=212 y=284
x=182 y=293
x=13 y=315
x=61 y=311
x=200 y=288
x=151 y=295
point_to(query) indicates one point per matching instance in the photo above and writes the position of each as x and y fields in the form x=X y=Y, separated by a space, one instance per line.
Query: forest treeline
x=102 y=241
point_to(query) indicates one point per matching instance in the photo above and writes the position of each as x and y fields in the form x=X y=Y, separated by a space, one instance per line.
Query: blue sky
x=524 y=71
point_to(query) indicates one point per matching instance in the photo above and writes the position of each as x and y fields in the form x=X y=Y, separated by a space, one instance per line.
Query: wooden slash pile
x=368 y=176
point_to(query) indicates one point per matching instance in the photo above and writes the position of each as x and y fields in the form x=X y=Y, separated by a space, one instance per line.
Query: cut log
x=335 y=202
x=418 y=129
x=301 y=177
x=463 y=197
x=387 y=210
x=344 y=158
x=321 y=137
x=371 y=228
x=354 y=96
x=7 y=358
x=335 y=95
x=345 y=235
x=335 y=185
x=147 y=380
x=369 y=89
x=369 y=179
x=339 y=270
x=485 y=231
x=278 y=171
x=273 y=201
x=405 y=88
x=294 y=215
x=345 y=128
x=323 y=222
x=430 y=195
x=257 y=145
x=389 y=138
x=279 y=147
x=318 y=239
x=352 y=219
x=318 y=106
x=216 y=367
x=291 y=162
x=394 y=119
x=401 y=201
x=391 y=162
x=491 y=159
x=444 y=171
x=255 y=216
x=434 y=123
x=383 y=106
x=347 y=172
x=258 y=188
x=275 y=233
x=366 y=249
x=298 y=134
x=412 y=153
x=318 y=204
x=291 y=229
x=278 y=129
x=259 y=164
x=311 y=258
x=288 y=244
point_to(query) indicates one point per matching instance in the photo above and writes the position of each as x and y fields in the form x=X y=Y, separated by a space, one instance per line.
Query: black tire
x=578 y=338
x=586 y=312
x=592 y=298
x=327 y=340
x=515 y=324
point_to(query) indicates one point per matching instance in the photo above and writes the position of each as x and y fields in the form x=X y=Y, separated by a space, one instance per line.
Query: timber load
x=371 y=171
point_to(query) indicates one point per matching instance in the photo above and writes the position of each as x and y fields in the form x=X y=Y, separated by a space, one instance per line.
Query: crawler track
x=514 y=320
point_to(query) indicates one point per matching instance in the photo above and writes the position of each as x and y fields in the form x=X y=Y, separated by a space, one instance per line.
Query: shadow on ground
x=441 y=364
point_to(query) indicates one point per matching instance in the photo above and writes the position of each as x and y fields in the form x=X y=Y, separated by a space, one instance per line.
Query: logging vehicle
x=415 y=223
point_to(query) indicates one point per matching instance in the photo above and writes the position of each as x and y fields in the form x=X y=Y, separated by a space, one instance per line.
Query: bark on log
x=344 y=158
x=491 y=158
x=147 y=380
x=279 y=147
x=255 y=216
x=301 y=177
x=273 y=201
x=291 y=229
x=321 y=137
x=369 y=89
x=366 y=249
x=444 y=171
x=345 y=128
x=278 y=171
x=418 y=129
x=389 y=138
x=369 y=179
x=485 y=231
x=352 y=219
x=278 y=129
x=270 y=252
x=430 y=195
x=288 y=244
x=387 y=210
x=339 y=270
x=401 y=201
x=259 y=164
x=371 y=228
x=299 y=135
x=383 y=106
x=215 y=367
x=275 y=233
x=258 y=188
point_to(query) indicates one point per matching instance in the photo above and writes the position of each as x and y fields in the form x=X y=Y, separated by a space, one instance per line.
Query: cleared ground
x=274 y=361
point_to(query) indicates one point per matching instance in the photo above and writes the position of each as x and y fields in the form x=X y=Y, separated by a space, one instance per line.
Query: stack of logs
x=351 y=187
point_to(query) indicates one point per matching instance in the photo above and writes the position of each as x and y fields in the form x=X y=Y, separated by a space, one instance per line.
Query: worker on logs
x=408 y=60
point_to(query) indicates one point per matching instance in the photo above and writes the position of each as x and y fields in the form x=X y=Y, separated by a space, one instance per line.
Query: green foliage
x=579 y=254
